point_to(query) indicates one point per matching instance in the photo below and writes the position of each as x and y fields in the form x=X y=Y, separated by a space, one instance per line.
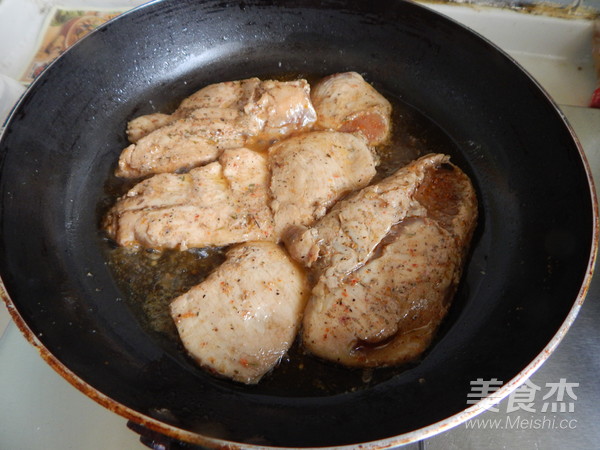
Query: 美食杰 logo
x=538 y=407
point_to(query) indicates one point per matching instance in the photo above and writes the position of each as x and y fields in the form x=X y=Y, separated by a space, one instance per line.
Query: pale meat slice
x=168 y=149
x=269 y=109
x=346 y=102
x=311 y=171
x=229 y=95
x=185 y=143
x=387 y=311
x=286 y=106
x=222 y=203
x=144 y=125
x=346 y=237
x=244 y=317
x=220 y=116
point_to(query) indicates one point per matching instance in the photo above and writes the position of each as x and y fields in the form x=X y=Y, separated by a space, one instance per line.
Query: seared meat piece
x=384 y=307
x=229 y=95
x=286 y=108
x=143 y=125
x=387 y=311
x=347 y=236
x=273 y=109
x=310 y=172
x=218 y=117
x=185 y=143
x=244 y=317
x=346 y=102
x=218 y=204
x=167 y=149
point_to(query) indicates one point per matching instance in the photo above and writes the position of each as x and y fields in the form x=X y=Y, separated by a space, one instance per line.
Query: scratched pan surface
x=526 y=277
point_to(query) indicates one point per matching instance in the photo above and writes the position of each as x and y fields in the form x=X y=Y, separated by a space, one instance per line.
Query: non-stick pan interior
x=528 y=262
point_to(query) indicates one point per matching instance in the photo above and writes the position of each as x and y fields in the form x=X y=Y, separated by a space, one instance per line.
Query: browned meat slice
x=386 y=309
x=346 y=102
x=310 y=172
x=244 y=317
x=347 y=236
x=218 y=204
x=220 y=116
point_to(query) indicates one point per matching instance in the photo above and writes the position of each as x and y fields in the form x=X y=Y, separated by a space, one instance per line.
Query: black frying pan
x=527 y=275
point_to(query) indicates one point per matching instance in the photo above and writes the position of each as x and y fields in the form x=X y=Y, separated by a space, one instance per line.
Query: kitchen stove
x=39 y=409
